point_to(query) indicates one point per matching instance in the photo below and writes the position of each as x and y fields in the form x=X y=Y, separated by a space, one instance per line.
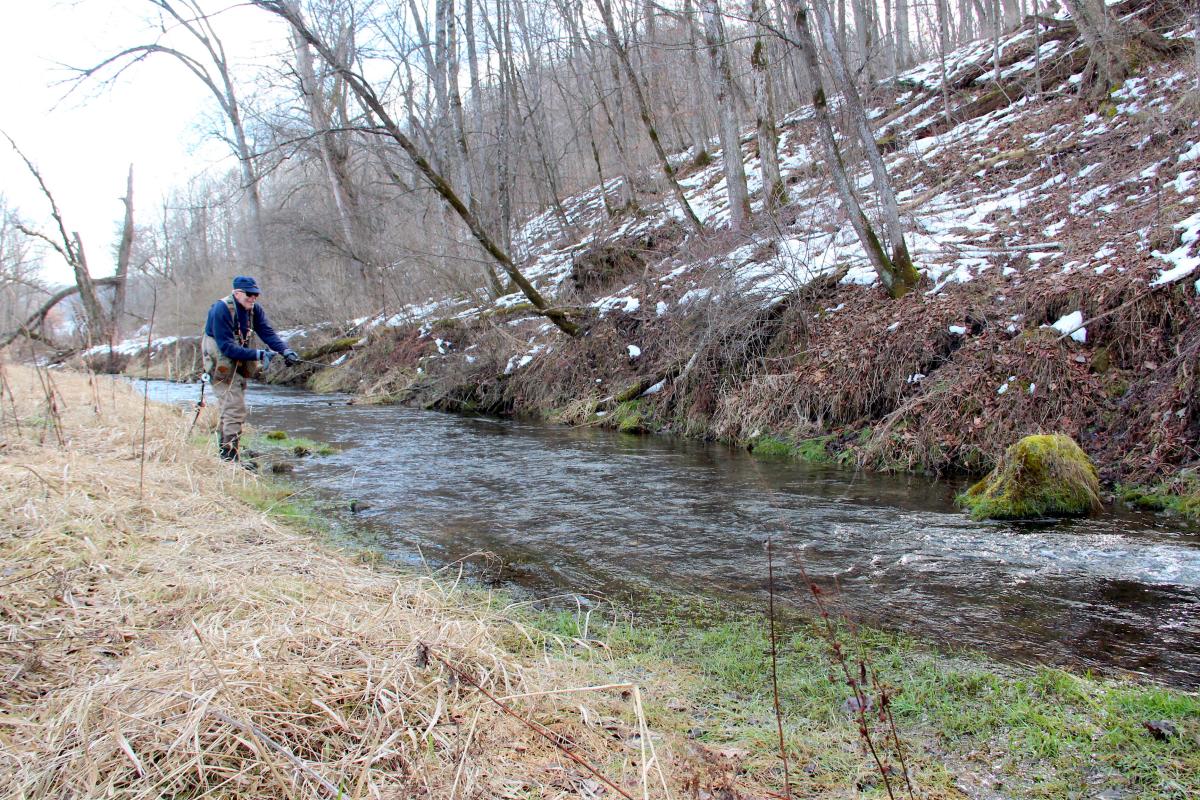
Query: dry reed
x=186 y=645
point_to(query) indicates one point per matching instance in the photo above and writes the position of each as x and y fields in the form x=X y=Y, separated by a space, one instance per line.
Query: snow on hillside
x=1029 y=187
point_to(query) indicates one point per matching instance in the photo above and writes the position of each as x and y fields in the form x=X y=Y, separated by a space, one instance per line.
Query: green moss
x=630 y=417
x=1180 y=495
x=814 y=450
x=772 y=447
x=1042 y=475
x=514 y=310
x=275 y=441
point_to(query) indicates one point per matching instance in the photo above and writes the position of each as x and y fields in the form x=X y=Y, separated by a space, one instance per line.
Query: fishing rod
x=204 y=379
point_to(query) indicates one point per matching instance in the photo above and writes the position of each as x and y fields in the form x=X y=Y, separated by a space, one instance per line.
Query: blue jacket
x=219 y=326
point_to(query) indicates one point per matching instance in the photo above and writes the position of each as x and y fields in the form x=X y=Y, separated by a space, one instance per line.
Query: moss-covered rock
x=772 y=447
x=1043 y=475
x=630 y=417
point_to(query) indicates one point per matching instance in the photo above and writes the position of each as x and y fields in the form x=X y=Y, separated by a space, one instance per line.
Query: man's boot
x=229 y=447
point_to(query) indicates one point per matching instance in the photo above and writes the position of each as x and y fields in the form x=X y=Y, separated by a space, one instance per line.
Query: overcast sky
x=154 y=117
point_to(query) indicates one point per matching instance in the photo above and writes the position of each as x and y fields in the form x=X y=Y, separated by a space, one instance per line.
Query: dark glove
x=290 y=358
x=264 y=356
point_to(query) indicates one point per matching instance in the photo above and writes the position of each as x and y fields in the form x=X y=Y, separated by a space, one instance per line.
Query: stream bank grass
x=164 y=638
x=967 y=724
x=172 y=638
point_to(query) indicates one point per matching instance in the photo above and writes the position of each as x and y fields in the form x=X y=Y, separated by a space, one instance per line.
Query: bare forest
x=395 y=148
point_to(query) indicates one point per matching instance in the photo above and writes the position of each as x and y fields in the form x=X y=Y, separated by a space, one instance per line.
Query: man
x=230 y=360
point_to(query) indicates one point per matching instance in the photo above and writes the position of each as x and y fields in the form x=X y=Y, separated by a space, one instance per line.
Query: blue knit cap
x=246 y=284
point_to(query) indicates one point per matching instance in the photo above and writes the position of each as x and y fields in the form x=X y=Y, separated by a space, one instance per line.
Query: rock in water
x=1039 y=476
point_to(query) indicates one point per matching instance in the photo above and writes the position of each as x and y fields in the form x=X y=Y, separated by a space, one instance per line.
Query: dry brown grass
x=177 y=642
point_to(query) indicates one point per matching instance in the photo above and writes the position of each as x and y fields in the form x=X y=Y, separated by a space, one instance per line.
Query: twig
x=855 y=684
x=644 y=731
x=463 y=761
x=787 y=779
x=40 y=478
x=51 y=404
x=5 y=388
x=146 y=394
x=885 y=704
x=537 y=728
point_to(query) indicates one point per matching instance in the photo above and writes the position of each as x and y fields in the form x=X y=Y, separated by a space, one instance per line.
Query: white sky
x=153 y=117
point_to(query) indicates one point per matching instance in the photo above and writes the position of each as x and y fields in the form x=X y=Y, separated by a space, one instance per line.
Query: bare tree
x=731 y=150
x=897 y=275
x=289 y=12
x=774 y=192
x=1109 y=41
x=214 y=70
x=124 y=255
x=70 y=247
x=647 y=117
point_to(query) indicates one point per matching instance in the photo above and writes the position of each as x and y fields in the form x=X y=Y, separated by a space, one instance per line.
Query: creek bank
x=1041 y=309
x=175 y=621
x=170 y=632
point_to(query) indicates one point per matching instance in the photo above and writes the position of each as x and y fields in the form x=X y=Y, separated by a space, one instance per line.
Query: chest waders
x=229 y=379
x=221 y=367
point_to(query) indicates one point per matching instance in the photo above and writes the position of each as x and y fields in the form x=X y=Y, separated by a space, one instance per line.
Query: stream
x=592 y=513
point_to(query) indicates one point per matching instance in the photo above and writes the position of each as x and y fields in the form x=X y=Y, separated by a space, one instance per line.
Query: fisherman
x=229 y=359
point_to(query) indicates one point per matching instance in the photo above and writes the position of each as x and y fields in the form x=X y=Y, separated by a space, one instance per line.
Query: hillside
x=1056 y=241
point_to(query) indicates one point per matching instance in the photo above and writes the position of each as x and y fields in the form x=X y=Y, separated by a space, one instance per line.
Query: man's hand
x=264 y=356
x=290 y=358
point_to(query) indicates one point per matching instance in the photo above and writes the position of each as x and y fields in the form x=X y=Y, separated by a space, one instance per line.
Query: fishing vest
x=221 y=367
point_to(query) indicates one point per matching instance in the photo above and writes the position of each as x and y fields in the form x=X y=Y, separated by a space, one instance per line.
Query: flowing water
x=590 y=512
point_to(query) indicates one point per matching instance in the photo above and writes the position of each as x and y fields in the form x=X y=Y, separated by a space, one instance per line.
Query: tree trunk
x=35 y=320
x=901 y=261
x=1106 y=42
x=862 y=38
x=334 y=158
x=774 y=191
x=897 y=280
x=943 y=23
x=731 y=150
x=700 y=132
x=286 y=10
x=647 y=118
x=124 y=253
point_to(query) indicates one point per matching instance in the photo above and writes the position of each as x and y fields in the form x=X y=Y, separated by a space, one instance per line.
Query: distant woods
x=390 y=150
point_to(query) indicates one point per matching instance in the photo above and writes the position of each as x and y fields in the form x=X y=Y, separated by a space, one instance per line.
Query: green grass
x=280 y=440
x=285 y=503
x=1179 y=495
x=1042 y=733
x=812 y=450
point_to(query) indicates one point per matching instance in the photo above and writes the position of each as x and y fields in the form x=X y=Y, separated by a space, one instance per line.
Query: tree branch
x=28 y=329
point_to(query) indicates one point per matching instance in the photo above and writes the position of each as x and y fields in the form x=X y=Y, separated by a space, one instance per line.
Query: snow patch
x=1071 y=323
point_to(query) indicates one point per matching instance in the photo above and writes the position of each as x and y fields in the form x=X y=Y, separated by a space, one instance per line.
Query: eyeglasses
x=251 y=295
